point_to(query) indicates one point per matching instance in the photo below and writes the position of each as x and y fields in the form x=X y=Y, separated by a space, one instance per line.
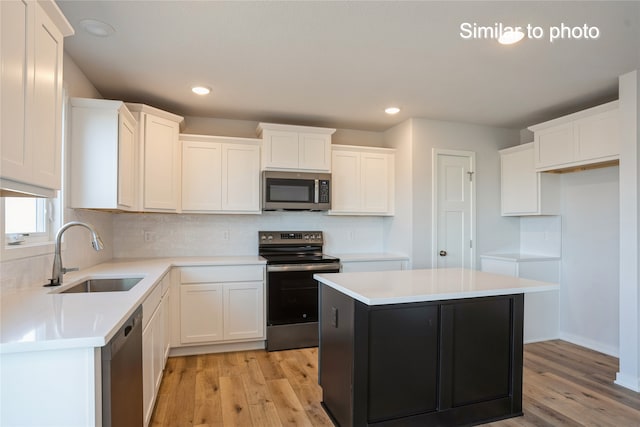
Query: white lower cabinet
x=155 y=314
x=541 y=309
x=201 y=314
x=243 y=310
x=372 y=264
x=222 y=304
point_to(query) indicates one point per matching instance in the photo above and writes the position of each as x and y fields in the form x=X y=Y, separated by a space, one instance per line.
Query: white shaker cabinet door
x=554 y=146
x=314 y=151
x=201 y=315
x=345 y=182
x=598 y=136
x=126 y=162
x=280 y=149
x=376 y=181
x=31 y=81
x=240 y=178
x=519 y=181
x=161 y=164
x=201 y=176
x=46 y=113
x=17 y=153
x=244 y=310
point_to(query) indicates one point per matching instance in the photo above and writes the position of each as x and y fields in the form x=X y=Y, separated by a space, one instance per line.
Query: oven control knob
x=263 y=237
x=306 y=237
x=269 y=237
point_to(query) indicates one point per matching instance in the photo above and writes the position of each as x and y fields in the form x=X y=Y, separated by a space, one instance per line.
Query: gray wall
x=589 y=292
x=494 y=232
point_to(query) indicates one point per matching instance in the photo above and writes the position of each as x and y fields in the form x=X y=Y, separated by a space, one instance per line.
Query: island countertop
x=393 y=287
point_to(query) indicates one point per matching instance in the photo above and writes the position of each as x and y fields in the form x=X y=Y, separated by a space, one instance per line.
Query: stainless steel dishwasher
x=122 y=375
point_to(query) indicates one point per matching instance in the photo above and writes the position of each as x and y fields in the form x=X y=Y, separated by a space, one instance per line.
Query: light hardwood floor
x=564 y=385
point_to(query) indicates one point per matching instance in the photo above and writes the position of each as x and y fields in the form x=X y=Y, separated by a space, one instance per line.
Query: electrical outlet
x=149 y=236
x=352 y=235
x=225 y=235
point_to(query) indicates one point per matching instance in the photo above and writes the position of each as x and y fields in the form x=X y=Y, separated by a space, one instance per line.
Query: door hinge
x=470 y=175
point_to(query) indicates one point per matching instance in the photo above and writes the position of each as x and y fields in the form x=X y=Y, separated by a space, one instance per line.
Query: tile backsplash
x=166 y=235
x=541 y=235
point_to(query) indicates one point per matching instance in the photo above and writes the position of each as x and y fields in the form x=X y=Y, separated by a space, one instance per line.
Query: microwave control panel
x=323 y=190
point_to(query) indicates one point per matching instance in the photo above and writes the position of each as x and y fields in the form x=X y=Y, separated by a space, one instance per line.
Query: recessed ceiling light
x=201 y=90
x=97 y=28
x=392 y=110
x=511 y=37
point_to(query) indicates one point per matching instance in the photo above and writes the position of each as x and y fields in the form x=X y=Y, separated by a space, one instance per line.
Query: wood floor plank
x=235 y=409
x=563 y=385
x=269 y=364
x=265 y=414
x=255 y=385
x=289 y=408
x=180 y=399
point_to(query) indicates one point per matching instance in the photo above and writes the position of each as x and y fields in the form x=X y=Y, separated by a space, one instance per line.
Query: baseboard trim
x=216 y=348
x=628 y=382
x=590 y=344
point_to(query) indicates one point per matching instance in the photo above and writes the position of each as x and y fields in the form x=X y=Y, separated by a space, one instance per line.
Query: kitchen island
x=422 y=347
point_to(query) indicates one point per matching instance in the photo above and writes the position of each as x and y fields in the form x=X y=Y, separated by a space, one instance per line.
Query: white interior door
x=453 y=209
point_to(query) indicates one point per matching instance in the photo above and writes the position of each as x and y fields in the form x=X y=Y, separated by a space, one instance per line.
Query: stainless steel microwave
x=300 y=191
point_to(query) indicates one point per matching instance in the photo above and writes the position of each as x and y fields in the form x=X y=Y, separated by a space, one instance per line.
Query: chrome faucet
x=58 y=269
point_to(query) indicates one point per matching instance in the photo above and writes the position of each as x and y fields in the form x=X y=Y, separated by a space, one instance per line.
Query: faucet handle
x=66 y=270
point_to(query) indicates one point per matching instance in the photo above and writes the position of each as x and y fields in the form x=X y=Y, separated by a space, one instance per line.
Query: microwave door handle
x=316 y=191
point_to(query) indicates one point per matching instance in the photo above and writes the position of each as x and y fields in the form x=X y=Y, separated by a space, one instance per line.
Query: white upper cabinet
x=362 y=180
x=160 y=158
x=31 y=39
x=287 y=147
x=523 y=190
x=201 y=175
x=103 y=155
x=220 y=174
x=587 y=137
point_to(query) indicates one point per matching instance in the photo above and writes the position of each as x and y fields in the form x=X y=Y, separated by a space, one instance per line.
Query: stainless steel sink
x=103 y=285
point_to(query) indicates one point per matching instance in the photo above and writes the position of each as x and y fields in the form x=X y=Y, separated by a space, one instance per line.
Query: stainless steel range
x=293 y=257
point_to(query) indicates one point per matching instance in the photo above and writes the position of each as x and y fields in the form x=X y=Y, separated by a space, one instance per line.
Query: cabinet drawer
x=150 y=304
x=223 y=273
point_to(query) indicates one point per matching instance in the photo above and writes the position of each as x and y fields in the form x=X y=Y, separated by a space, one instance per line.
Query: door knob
x=443 y=253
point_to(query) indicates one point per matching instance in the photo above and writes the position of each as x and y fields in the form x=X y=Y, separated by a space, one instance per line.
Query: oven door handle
x=302 y=267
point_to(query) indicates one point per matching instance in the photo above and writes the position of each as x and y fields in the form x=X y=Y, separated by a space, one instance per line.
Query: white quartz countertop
x=392 y=287
x=519 y=257
x=45 y=319
x=373 y=256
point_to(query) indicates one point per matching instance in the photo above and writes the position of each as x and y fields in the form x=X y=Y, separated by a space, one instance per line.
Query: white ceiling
x=341 y=63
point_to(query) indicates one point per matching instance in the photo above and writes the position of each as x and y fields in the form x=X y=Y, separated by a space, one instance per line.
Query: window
x=27 y=220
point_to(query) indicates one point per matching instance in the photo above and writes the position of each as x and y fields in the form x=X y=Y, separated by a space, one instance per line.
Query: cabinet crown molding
x=143 y=108
x=215 y=138
x=362 y=148
x=613 y=105
x=58 y=18
x=292 y=128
